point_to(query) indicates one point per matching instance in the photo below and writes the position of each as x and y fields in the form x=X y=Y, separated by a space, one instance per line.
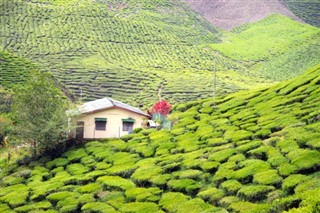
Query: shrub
x=263 y=133
x=5 y=208
x=287 y=169
x=35 y=206
x=74 y=155
x=211 y=194
x=196 y=205
x=145 y=173
x=160 y=180
x=244 y=206
x=143 y=207
x=237 y=158
x=222 y=155
x=116 y=182
x=216 y=141
x=77 y=169
x=97 y=207
x=287 y=145
x=88 y=161
x=102 y=166
x=292 y=181
x=123 y=170
x=143 y=194
x=231 y=186
x=118 y=145
x=209 y=166
x=171 y=201
x=249 y=146
x=307 y=185
x=190 y=173
x=15 y=195
x=89 y=188
x=226 y=201
x=57 y=162
x=184 y=185
x=237 y=135
x=254 y=192
x=250 y=167
x=86 y=198
x=305 y=159
x=12 y=180
x=269 y=177
x=57 y=196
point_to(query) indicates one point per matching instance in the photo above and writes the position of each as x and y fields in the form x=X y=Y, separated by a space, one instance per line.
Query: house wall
x=114 y=123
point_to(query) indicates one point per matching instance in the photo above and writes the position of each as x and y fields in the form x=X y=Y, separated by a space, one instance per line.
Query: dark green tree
x=39 y=109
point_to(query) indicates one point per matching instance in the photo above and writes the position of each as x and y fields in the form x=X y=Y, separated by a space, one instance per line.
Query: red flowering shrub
x=162 y=107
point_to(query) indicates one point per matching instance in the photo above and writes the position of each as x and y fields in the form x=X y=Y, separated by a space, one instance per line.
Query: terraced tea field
x=253 y=151
x=132 y=50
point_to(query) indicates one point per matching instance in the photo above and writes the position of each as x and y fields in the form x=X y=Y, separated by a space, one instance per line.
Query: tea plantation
x=252 y=151
x=134 y=50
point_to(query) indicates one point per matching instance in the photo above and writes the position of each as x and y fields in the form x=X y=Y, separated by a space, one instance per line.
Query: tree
x=39 y=109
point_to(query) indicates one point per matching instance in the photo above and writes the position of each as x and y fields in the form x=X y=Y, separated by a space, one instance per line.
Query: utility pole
x=215 y=79
x=215 y=76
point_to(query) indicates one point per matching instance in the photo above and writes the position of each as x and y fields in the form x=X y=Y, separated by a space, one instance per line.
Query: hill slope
x=254 y=151
x=136 y=51
x=307 y=10
x=230 y=14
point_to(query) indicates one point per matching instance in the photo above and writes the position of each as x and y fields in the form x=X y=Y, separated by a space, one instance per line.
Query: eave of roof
x=107 y=103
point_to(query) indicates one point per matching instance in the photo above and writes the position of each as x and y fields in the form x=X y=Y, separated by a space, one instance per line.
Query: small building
x=107 y=118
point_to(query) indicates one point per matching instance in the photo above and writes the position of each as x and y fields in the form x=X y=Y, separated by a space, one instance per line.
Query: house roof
x=105 y=103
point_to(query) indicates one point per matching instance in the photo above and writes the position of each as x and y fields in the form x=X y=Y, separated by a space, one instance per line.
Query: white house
x=107 y=118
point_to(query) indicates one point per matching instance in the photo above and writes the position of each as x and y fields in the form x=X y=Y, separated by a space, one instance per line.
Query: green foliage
x=304 y=159
x=231 y=186
x=41 y=94
x=143 y=207
x=115 y=182
x=194 y=171
x=269 y=177
x=97 y=207
x=184 y=185
x=211 y=194
x=254 y=192
x=172 y=200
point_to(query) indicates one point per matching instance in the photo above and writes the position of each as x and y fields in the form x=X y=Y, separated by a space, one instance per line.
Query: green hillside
x=134 y=50
x=13 y=69
x=277 y=47
x=253 y=151
x=106 y=51
x=307 y=10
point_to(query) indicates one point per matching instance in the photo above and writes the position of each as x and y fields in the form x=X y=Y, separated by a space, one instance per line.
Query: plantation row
x=13 y=70
x=255 y=151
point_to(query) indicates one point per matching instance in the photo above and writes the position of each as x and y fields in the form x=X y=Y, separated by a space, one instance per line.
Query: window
x=127 y=124
x=101 y=124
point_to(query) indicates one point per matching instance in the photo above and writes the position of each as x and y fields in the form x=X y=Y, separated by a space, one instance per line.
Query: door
x=80 y=130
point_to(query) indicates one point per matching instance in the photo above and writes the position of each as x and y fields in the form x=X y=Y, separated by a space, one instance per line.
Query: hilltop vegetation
x=135 y=50
x=254 y=151
x=277 y=47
